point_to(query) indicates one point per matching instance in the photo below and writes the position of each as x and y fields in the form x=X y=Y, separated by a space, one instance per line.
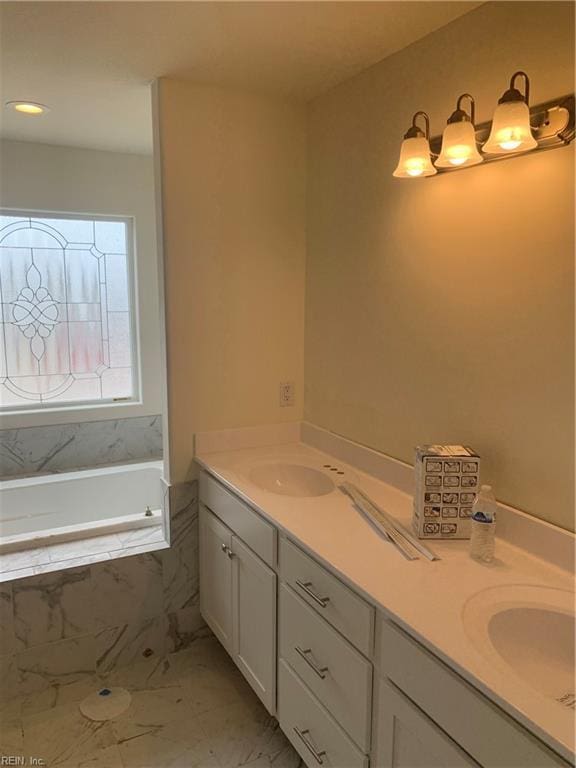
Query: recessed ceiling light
x=27 y=107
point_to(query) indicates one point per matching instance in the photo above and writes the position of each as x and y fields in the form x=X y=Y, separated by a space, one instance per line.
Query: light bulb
x=414 y=157
x=511 y=131
x=27 y=107
x=509 y=138
x=459 y=139
x=415 y=166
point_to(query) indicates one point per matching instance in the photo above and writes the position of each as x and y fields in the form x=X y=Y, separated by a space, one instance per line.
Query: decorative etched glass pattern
x=65 y=300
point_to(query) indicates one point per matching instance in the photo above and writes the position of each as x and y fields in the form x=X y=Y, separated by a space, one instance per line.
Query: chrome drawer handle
x=227 y=551
x=316 y=755
x=303 y=652
x=305 y=587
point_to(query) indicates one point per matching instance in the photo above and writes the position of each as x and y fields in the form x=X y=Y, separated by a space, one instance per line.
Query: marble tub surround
x=7 y=637
x=59 y=448
x=191 y=709
x=425 y=598
x=60 y=628
x=72 y=554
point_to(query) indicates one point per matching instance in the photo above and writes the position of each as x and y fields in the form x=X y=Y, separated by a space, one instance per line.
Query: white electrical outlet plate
x=287 y=393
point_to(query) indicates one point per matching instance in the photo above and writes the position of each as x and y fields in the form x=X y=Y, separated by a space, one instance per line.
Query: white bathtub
x=36 y=511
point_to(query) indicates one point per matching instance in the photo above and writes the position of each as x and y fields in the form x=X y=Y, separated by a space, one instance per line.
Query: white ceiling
x=92 y=62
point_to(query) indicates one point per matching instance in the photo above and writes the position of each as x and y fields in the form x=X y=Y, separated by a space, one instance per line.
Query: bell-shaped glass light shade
x=458 y=146
x=414 y=159
x=510 y=129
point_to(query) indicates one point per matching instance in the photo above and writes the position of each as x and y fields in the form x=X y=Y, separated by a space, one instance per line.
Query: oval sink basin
x=538 y=644
x=291 y=480
x=531 y=630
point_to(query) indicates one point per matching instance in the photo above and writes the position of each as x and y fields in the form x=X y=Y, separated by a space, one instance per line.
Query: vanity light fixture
x=511 y=130
x=459 y=138
x=516 y=128
x=27 y=107
x=415 y=158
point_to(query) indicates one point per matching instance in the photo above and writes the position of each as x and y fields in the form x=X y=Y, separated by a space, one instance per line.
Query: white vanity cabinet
x=325 y=681
x=314 y=733
x=406 y=738
x=238 y=589
x=254 y=620
x=354 y=689
x=426 y=712
x=328 y=596
x=216 y=577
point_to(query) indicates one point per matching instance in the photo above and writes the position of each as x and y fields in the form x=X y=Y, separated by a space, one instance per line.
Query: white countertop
x=426 y=598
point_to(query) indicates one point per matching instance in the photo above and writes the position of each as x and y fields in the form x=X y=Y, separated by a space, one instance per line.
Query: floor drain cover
x=105 y=704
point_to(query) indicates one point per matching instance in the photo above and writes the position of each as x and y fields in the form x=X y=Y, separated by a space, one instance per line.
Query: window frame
x=38 y=408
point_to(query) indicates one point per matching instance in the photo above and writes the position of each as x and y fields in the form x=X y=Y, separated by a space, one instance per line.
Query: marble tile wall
x=59 y=448
x=59 y=630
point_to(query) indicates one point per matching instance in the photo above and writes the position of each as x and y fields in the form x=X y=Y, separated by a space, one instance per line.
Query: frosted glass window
x=66 y=301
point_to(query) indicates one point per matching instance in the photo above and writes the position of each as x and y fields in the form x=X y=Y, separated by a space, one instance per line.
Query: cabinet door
x=407 y=738
x=216 y=577
x=254 y=587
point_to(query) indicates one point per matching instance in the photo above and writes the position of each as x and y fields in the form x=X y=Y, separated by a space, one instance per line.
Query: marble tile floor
x=191 y=709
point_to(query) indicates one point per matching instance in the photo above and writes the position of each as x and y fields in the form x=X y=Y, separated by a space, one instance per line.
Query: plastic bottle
x=482 y=537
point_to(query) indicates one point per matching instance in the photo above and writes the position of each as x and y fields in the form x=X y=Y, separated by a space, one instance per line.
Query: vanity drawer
x=329 y=597
x=481 y=728
x=316 y=736
x=256 y=532
x=334 y=671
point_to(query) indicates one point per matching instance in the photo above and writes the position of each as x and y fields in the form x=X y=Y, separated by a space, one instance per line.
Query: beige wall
x=233 y=187
x=442 y=310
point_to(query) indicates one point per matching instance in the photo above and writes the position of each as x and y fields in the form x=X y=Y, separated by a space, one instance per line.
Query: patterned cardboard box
x=447 y=481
